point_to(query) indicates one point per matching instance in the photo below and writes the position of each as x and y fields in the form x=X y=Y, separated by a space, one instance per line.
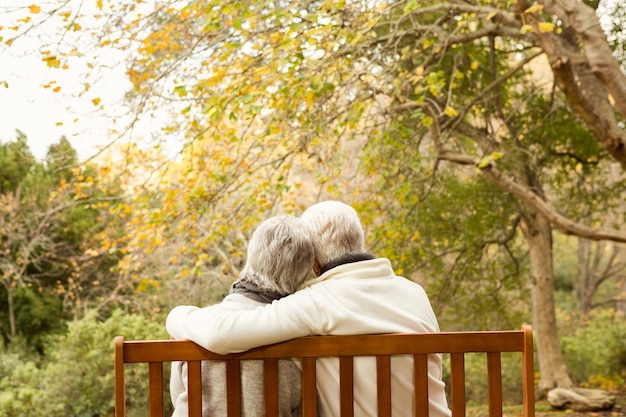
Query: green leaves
x=486 y=161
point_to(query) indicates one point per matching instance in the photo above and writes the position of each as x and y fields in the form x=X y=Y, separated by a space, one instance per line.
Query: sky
x=44 y=115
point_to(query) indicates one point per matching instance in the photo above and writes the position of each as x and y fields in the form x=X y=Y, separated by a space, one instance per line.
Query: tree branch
x=559 y=221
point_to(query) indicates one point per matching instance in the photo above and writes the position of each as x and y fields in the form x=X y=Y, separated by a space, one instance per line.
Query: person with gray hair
x=354 y=293
x=280 y=257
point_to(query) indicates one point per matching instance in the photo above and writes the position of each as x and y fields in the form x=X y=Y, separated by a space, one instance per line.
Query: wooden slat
x=494 y=384
x=309 y=389
x=316 y=346
x=528 y=373
x=383 y=383
x=346 y=386
x=457 y=384
x=233 y=388
x=420 y=378
x=155 y=384
x=270 y=386
x=194 y=384
x=120 y=386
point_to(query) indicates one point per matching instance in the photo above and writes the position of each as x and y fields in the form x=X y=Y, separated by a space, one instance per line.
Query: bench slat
x=346 y=386
x=270 y=386
x=457 y=384
x=528 y=373
x=233 y=388
x=494 y=384
x=420 y=378
x=155 y=384
x=383 y=382
x=309 y=388
x=194 y=384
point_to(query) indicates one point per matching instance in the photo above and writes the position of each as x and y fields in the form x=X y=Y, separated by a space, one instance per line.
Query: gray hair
x=280 y=254
x=335 y=230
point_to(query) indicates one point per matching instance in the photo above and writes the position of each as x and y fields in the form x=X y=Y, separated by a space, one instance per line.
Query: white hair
x=280 y=254
x=335 y=230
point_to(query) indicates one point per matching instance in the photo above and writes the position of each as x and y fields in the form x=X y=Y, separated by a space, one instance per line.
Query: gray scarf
x=251 y=290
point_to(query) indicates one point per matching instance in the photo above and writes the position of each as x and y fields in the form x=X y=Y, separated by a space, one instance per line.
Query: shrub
x=596 y=353
x=79 y=377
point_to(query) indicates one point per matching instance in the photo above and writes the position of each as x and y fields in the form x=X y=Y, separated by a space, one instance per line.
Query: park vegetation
x=482 y=142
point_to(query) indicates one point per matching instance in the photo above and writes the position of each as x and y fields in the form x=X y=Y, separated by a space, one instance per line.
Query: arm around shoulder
x=208 y=326
x=223 y=330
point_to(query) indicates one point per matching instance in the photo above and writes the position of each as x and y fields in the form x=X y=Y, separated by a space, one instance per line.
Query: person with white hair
x=354 y=293
x=279 y=259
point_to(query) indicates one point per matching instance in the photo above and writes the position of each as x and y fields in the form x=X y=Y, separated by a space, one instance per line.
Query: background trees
x=518 y=96
x=471 y=136
x=50 y=263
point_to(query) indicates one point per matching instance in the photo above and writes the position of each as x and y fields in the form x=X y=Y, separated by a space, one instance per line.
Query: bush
x=87 y=351
x=77 y=377
x=596 y=353
x=19 y=386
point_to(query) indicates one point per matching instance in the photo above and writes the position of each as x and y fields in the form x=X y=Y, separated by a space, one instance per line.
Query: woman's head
x=280 y=254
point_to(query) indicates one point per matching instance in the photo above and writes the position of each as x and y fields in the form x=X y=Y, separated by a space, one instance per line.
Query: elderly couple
x=353 y=293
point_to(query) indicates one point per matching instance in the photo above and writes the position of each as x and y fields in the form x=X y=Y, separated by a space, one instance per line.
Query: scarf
x=251 y=290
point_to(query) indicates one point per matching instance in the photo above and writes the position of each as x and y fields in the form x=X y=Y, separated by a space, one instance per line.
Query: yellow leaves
x=52 y=61
x=99 y=4
x=543 y=27
x=4 y=83
x=96 y=101
x=34 y=9
x=546 y=27
x=185 y=13
x=534 y=8
x=486 y=161
x=180 y=90
x=474 y=65
x=450 y=112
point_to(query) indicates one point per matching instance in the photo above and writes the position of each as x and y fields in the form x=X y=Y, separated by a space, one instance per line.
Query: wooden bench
x=456 y=344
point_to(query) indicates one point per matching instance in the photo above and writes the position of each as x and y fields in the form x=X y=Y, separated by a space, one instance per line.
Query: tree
x=48 y=214
x=453 y=68
x=518 y=96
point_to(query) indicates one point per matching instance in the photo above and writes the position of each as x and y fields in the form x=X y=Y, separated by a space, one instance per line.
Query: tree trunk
x=538 y=234
x=11 y=311
x=584 y=276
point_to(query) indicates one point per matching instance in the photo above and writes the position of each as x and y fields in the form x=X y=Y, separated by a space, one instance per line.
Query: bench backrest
x=456 y=344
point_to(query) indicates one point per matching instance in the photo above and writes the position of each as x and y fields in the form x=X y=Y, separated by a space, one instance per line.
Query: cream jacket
x=363 y=297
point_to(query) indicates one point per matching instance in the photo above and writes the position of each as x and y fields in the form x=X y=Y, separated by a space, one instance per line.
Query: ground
x=543 y=409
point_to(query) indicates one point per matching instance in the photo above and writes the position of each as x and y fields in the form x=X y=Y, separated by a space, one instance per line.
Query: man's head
x=335 y=230
x=280 y=254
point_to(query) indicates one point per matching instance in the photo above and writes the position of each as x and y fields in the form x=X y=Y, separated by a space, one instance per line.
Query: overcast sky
x=42 y=114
